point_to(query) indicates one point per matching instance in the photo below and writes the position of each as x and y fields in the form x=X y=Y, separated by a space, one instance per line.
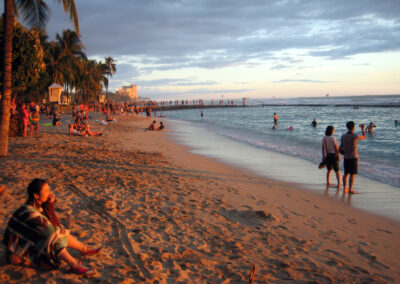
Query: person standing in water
x=330 y=154
x=275 y=118
x=348 y=145
x=201 y=113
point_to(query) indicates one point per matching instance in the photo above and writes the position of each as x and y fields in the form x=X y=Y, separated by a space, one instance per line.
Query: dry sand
x=164 y=215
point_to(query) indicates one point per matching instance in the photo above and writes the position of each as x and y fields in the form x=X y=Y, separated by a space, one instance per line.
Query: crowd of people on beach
x=24 y=116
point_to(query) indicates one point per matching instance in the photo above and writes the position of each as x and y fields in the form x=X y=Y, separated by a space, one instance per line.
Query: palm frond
x=35 y=12
x=70 y=8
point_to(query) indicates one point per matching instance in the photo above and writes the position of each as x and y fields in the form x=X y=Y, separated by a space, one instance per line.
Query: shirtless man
x=349 y=143
x=370 y=127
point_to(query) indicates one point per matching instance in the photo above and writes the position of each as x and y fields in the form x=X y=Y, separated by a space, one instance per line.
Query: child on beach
x=34 y=234
x=152 y=126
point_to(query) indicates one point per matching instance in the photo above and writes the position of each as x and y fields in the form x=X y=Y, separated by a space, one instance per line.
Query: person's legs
x=351 y=182
x=69 y=259
x=345 y=182
x=74 y=243
x=337 y=173
x=328 y=177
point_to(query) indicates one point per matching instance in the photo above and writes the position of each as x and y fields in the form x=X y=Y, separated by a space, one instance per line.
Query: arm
x=363 y=133
x=337 y=150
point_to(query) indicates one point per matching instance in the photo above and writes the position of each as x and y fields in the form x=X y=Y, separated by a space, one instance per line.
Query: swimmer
x=290 y=128
x=370 y=127
x=314 y=123
x=396 y=123
x=201 y=113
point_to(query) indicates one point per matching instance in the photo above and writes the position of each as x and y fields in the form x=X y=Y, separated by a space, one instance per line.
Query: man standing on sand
x=349 y=147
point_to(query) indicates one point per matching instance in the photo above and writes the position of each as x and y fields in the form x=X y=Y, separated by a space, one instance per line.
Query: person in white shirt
x=330 y=155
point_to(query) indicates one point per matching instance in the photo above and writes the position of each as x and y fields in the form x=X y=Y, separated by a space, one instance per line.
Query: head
x=350 y=125
x=161 y=123
x=38 y=191
x=329 y=130
x=154 y=121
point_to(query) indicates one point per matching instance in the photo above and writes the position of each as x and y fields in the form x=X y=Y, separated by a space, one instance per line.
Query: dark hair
x=35 y=187
x=329 y=130
x=350 y=125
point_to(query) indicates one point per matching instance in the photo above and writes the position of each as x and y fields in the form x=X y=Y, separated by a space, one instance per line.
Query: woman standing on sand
x=35 y=235
x=330 y=154
x=24 y=117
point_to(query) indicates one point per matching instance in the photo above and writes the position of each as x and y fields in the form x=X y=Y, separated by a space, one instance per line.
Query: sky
x=204 y=49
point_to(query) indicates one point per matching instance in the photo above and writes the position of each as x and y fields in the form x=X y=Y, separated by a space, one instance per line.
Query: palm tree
x=111 y=69
x=68 y=61
x=36 y=14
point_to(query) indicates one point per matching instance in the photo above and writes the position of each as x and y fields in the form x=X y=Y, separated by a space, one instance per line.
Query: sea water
x=244 y=136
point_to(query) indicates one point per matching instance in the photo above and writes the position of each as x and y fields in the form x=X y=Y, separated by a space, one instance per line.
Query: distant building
x=130 y=91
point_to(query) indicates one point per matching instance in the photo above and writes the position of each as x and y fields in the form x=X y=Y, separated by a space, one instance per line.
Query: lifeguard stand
x=54 y=96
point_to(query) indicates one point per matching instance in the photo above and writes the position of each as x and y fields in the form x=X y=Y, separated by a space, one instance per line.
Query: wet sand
x=164 y=215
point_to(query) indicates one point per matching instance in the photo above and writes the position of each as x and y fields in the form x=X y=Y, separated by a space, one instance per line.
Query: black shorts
x=332 y=163
x=350 y=166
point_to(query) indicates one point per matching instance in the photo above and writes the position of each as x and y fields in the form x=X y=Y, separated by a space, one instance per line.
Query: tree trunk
x=7 y=64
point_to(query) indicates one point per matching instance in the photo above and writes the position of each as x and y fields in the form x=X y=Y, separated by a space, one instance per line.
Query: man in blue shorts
x=349 y=147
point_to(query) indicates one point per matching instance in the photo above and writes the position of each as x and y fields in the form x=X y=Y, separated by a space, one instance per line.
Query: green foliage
x=27 y=60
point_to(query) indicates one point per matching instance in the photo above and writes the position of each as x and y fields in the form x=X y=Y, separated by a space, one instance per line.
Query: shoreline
x=296 y=171
x=165 y=214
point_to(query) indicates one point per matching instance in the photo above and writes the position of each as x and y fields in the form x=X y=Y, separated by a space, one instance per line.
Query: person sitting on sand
x=161 y=127
x=35 y=235
x=56 y=120
x=78 y=131
x=152 y=126
x=109 y=117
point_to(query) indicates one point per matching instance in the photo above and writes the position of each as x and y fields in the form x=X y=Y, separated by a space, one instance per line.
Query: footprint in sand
x=384 y=231
x=352 y=221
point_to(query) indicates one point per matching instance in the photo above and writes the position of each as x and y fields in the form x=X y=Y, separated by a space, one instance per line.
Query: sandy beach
x=164 y=215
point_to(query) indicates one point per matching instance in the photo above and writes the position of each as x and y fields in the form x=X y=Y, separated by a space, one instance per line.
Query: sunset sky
x=253 y=48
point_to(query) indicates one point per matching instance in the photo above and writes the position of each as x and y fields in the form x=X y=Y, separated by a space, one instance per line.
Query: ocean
x=243 y=136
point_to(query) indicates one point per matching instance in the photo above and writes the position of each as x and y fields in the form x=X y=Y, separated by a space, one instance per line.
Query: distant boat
x=327 y=95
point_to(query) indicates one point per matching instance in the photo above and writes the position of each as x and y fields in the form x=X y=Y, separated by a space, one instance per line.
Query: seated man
x=35 y=235
x=152 y=126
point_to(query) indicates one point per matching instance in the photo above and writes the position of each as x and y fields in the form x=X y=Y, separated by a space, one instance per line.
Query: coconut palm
x=35 y=14
x=68 y=61
x=111 y=69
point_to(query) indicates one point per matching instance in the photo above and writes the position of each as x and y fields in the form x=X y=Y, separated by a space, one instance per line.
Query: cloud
x=303 y=81
x=231 y=32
